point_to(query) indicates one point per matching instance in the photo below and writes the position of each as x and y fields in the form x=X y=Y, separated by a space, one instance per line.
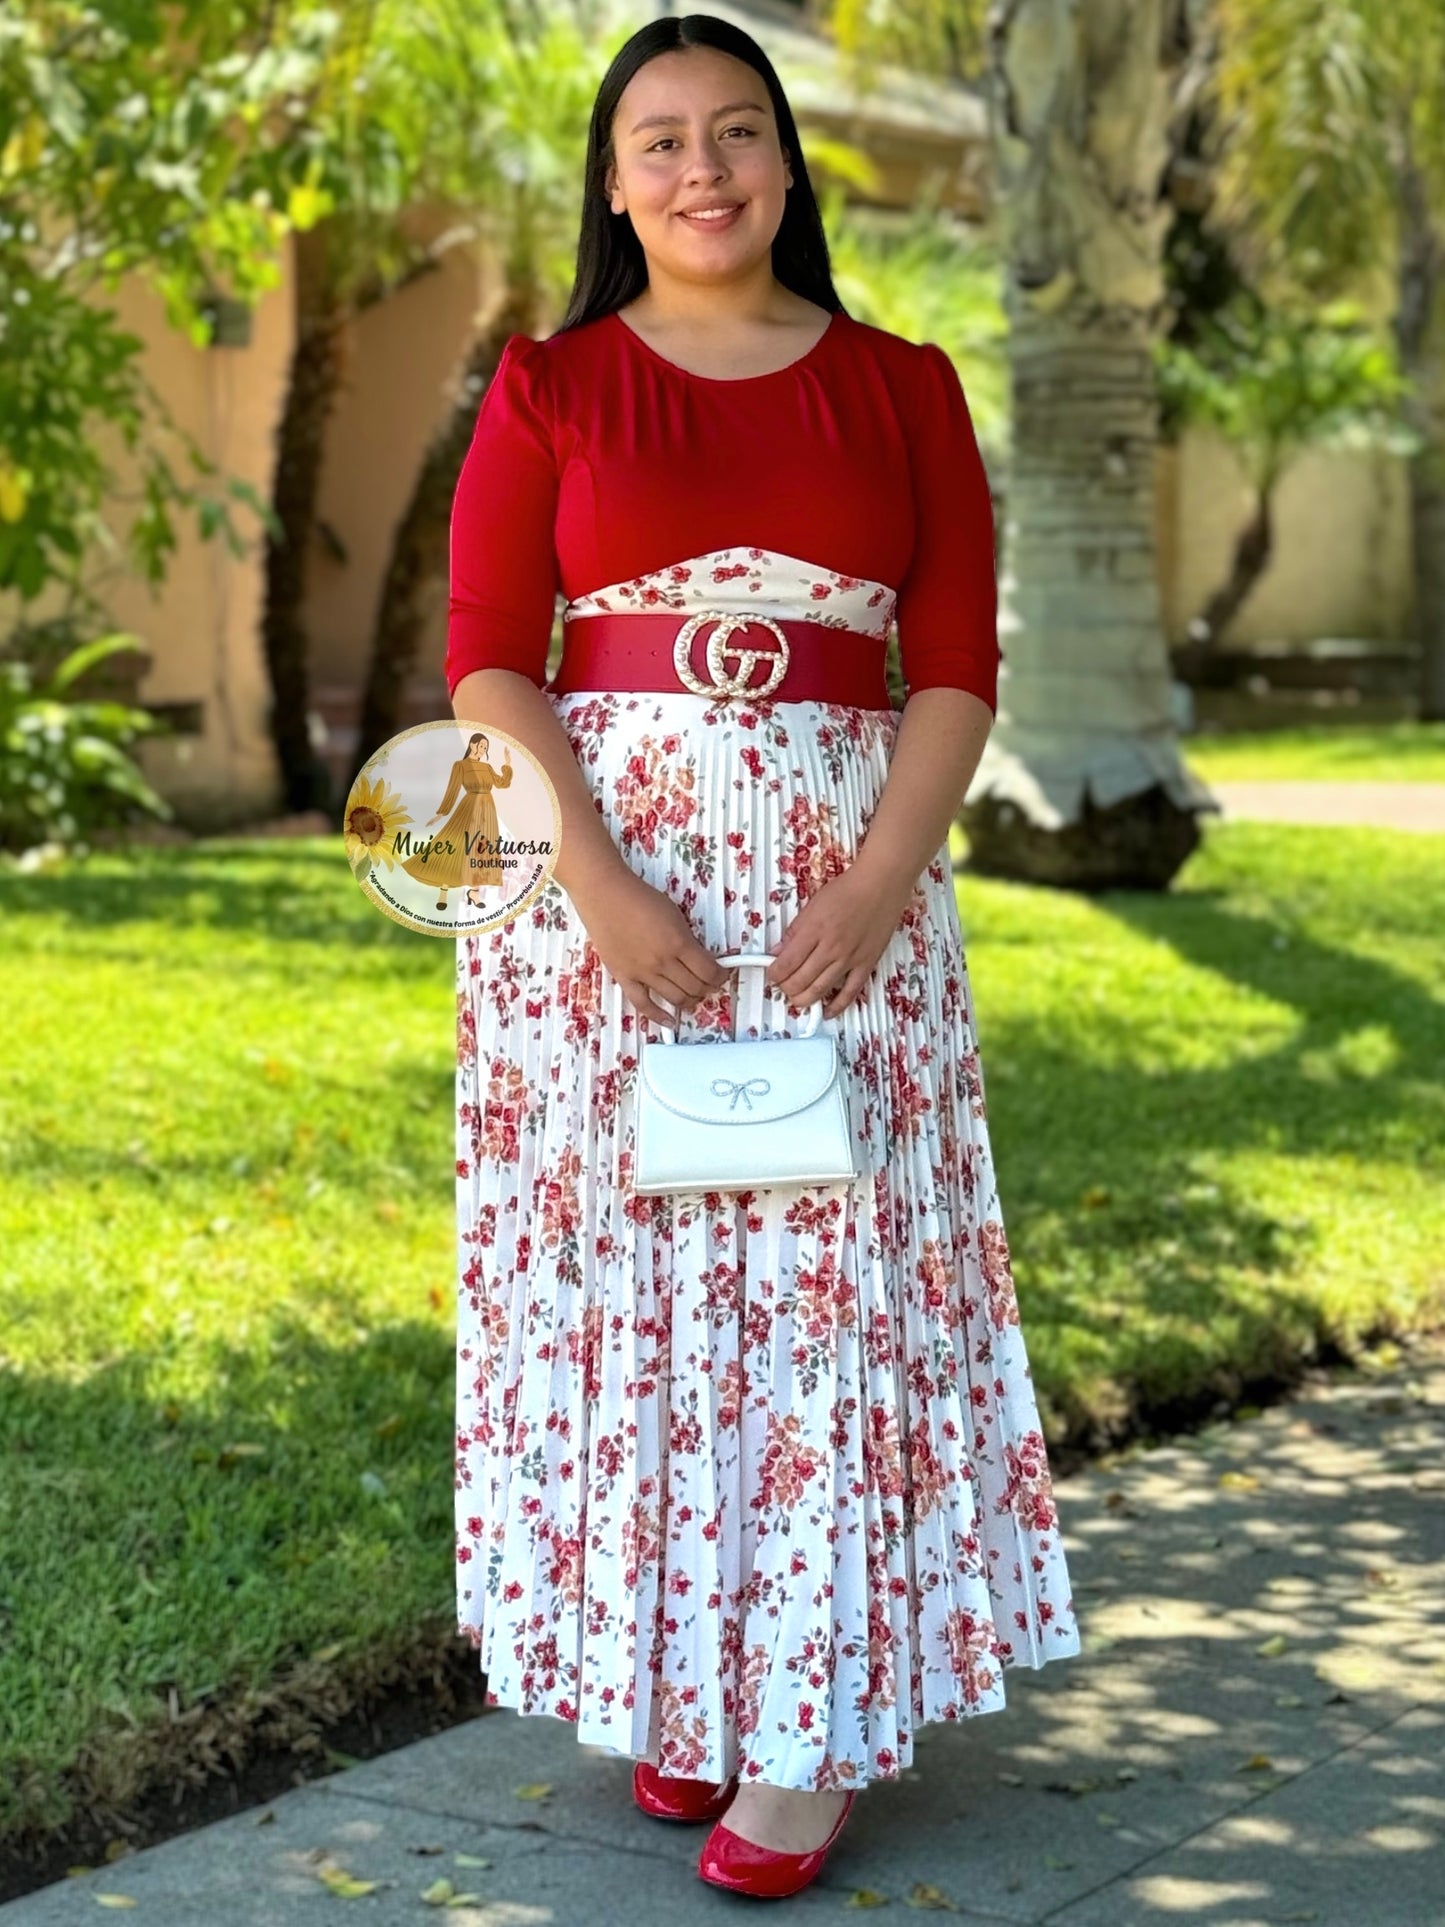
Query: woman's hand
x=836 y=939
x=648 y=944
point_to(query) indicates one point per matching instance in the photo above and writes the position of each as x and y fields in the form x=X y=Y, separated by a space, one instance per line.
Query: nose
x=709 y=155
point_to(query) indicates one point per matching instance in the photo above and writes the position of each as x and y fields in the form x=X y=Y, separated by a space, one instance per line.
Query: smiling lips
x=713 y=217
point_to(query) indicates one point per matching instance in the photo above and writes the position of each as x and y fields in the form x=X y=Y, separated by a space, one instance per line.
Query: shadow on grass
x=190 y=1582
x=1334 y=990
x=290 y=891
x=377 y=1129
x=1278 y=1099
x=1153 y=1278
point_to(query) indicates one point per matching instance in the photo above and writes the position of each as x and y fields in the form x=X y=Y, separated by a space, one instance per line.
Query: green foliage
x=942 y=37
x=136 y=140
x=1273 y=382
x=67 y=367
x=1324 y=107
x=64 y=767
x=932 y=279
x=495 y=107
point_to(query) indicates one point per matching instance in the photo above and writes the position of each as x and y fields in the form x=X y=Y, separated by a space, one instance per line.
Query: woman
x=748 y=1486
x=465 y=847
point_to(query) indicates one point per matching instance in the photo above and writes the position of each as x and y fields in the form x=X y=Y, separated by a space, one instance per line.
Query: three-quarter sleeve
x=947 y=610
x=504 y=573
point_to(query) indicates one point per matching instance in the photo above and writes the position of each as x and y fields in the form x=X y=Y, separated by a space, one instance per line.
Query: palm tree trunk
x=1084 y=787
x=1420 y=333
x=316 y=370
x=1081 y=782
x=1427 y=530
x=418 y=562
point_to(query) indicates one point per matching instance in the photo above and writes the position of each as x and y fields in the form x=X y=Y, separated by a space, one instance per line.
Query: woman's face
x=716 y=141
x=479 y=748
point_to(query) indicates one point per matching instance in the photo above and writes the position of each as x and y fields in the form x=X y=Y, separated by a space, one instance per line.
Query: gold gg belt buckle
x=724 y=686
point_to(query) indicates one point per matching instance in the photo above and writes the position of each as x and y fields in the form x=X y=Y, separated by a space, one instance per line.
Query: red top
x=595 y=459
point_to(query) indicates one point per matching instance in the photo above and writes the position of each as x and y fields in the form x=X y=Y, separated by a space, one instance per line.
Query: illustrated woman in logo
x=463 y=851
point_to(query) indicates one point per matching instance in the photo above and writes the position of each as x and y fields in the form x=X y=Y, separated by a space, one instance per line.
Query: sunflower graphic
x=373 y=816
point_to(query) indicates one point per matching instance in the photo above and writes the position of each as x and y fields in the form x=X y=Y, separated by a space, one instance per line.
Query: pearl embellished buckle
x=723 y=685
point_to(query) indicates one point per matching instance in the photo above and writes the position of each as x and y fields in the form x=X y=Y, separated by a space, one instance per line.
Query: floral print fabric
x=774 y=1457
x=732 y=580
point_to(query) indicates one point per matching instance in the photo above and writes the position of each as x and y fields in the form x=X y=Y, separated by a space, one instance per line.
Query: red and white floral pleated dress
x=772 y=1458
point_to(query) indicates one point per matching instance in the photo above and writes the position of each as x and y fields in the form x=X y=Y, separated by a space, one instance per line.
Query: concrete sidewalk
x=1252 y=1734
x=1383 y=806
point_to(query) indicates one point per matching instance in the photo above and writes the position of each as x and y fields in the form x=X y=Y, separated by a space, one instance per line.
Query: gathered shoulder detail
x=522 y=372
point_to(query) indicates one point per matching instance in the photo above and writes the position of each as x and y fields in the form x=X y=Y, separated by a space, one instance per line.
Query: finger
x=647 y=1006
x=701 y=976
x=846 y=994
x=820 y=984
x=703 y=967
x=669 y=983
x=673 y=1009
x=803 y=962
x=819 y=974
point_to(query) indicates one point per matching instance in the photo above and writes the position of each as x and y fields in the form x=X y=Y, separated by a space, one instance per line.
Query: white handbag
x=736 y=1113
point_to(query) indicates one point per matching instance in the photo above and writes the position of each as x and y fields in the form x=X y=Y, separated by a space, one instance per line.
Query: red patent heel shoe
x=668 y=1799
x=745 y=1868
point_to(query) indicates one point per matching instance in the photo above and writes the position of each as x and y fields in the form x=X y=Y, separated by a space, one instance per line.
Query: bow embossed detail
x=727 y=1086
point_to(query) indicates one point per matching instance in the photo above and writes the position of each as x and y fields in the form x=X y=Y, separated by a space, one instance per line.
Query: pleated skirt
x=767 y=1465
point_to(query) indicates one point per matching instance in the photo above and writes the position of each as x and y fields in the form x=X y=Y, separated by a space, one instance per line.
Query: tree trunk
x=419 y=553
x=1081 y=782
x=1252 y=549
x=1427 y=532
x=316 y=370
x=1420 y=333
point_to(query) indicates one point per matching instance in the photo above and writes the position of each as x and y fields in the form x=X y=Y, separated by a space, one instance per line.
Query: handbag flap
x=740 y=1081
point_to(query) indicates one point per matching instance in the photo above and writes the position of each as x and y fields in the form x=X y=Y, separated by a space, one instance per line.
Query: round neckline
x=727 y=381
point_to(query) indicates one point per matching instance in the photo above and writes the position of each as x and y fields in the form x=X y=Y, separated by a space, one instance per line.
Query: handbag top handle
x=754 y=1001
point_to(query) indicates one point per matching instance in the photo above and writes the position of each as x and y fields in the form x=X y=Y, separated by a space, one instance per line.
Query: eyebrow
x=672 y=120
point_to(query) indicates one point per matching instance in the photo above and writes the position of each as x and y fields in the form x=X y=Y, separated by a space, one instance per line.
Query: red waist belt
x=745 y=657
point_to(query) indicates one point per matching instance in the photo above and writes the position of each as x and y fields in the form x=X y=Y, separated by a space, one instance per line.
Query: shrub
x=65 y=767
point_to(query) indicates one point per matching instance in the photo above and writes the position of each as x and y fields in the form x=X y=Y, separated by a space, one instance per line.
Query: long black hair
x=611 y=265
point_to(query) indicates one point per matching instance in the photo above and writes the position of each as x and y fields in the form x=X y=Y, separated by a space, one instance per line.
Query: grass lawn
x=226 y=1237
x=1330 y=753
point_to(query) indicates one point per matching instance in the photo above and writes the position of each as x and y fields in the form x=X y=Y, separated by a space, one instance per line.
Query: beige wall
x=400 y=356
x=1341 y=564
x=204 y=630
x=199 y=635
